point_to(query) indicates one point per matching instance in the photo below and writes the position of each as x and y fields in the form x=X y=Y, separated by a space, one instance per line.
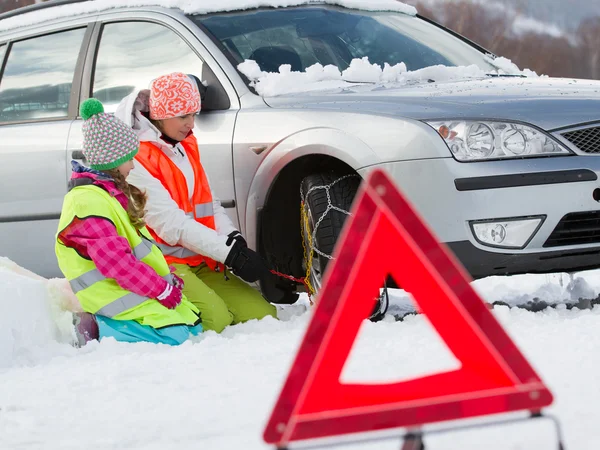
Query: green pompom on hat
x=90 y=107
x=107 y=141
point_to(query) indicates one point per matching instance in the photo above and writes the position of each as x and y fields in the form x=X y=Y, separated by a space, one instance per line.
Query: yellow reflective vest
x=103 y=296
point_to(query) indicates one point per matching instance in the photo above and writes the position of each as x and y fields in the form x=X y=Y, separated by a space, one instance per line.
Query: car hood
x=548 y=103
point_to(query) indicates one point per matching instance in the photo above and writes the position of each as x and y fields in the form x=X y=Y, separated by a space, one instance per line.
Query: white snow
x=33 y=320
x=506 y=66
x=317 y=77
x=191 y=7
x=217 y=392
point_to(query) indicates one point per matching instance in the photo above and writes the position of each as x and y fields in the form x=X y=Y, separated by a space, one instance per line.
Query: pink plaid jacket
x=97 y=239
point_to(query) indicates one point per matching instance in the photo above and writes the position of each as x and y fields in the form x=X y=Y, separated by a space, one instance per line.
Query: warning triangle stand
x=385 y=236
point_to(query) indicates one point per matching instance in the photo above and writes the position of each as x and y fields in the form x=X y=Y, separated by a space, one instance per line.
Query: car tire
x=319 y=193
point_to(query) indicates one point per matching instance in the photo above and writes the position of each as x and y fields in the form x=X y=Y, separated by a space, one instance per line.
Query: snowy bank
x=218 y=392
x=34 y=321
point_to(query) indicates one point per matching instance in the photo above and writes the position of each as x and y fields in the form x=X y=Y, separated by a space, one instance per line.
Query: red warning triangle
x=385 y=235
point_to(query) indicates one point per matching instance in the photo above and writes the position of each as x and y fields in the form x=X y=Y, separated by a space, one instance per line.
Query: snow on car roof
x=191 y=7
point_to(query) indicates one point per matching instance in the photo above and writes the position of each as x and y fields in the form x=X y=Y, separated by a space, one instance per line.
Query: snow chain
x=311 y=237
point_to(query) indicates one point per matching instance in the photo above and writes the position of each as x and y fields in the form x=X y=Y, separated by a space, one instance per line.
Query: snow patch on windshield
x=506 y=67
x=318 y=77
x=193 y=7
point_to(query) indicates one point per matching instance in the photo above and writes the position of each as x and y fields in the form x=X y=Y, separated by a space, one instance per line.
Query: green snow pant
x=222 y=302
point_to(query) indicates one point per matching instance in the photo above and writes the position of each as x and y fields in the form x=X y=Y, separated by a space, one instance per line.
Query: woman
x=120 y=277
x=189 y=223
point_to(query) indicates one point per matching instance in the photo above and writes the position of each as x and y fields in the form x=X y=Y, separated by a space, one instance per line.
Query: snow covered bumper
x=508 y=217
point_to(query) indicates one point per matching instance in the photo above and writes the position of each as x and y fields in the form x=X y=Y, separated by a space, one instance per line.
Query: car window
x=132 y=54
x=38 y=76
x=304 y=36
x=254 y=44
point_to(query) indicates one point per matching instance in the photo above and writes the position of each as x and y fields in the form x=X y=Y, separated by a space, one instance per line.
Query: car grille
x=587 y=140
x=575 y=229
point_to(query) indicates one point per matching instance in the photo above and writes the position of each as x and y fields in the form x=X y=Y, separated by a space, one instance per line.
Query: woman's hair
x=137 y=199
x=156 y=123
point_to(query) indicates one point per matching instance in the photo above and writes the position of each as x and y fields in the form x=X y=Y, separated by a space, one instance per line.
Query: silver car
x=503 y=168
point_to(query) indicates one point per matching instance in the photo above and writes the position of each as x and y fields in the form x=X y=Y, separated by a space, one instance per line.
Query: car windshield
x=304 y=36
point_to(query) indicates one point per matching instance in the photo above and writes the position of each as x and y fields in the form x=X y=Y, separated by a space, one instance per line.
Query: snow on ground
x=217 y=391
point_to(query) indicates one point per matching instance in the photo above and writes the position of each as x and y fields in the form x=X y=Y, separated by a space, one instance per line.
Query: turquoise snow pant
x=131 y=331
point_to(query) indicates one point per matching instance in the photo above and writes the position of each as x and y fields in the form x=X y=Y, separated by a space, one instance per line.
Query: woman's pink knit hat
x=173 y=95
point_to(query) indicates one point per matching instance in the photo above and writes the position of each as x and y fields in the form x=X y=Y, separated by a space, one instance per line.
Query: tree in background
x=588 y=36
x=576 y=56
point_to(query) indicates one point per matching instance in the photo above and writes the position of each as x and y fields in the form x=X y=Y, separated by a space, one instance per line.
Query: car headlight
x=484 y=140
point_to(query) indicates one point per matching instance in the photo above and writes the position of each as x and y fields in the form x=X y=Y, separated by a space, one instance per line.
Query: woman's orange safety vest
x=200 y=207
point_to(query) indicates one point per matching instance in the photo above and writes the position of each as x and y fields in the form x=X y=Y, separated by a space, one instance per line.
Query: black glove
x=245 y=263
x=237 y=236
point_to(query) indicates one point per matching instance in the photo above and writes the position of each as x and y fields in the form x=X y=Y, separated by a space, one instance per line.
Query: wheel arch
x=275 y=226
x=310 y=147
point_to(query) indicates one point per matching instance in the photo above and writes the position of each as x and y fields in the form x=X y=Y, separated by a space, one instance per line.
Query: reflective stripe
x=143 y=249
x=204 y=210
x=121 y=304
x=86 y=280
x=126 y=302
x=175 y=251
x=94 y=276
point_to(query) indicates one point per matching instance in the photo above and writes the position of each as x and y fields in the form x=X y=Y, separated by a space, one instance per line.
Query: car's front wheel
x=326 y=202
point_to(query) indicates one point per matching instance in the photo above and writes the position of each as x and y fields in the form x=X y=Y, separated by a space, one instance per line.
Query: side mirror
x=212 y=94
x=201 y=87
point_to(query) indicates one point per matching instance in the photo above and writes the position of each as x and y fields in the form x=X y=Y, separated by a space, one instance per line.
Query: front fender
x=313 y=141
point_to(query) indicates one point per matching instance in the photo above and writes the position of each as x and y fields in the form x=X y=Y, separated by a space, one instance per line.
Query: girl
x=183 y=215
x=120 y=277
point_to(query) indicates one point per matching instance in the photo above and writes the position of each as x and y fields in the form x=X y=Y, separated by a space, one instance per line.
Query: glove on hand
x=177 y=282
x=170 y=297
x=245 y=263
x=236 y=236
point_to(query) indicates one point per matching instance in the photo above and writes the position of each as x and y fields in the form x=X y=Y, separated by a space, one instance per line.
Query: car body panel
x=33 y=172
x=547 y=103
x=430 y=187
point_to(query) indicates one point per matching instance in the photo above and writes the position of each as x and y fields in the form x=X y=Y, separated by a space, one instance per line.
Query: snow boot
x=86 y=328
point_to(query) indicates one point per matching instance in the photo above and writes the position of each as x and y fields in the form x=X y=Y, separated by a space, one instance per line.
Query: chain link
x=312 y=237
x=311 y=248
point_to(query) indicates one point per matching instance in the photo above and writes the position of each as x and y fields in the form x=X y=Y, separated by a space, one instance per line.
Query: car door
x=38 y=83
x=130 y=54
